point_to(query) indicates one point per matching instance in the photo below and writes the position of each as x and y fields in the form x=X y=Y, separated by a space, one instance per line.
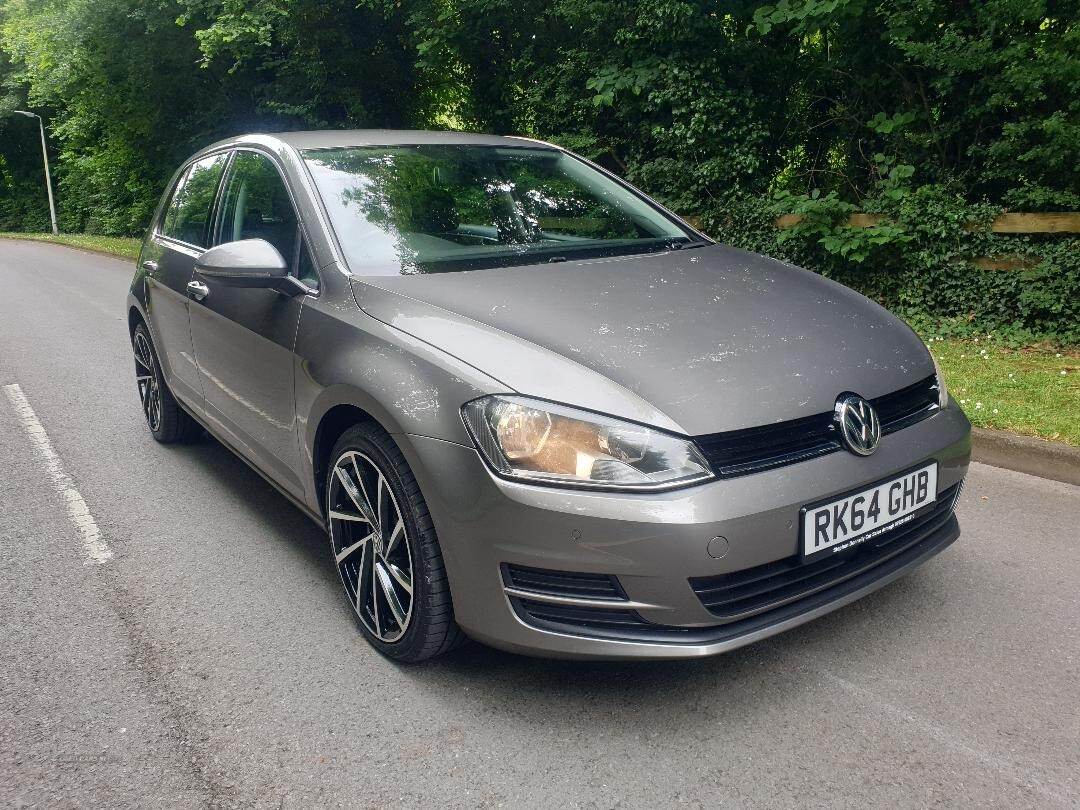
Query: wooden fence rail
x=1064 y=222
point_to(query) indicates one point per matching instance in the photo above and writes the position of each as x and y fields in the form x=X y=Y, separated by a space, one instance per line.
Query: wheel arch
x=135 y=317
x=337 y=409
x=333 y=423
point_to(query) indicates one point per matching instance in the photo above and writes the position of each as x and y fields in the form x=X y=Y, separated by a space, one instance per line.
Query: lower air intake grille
x=562 y=583
x=764 y=586
x=598 y=621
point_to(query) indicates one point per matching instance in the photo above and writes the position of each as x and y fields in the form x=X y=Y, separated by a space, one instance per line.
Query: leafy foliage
x=931 y=113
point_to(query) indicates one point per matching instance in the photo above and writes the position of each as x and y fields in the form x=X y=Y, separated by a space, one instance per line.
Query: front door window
x=256 y=205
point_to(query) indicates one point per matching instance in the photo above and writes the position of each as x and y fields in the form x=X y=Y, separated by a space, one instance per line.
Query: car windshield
x=447 y=207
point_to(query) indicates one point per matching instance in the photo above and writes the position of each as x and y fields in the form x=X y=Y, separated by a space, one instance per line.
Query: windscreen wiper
x=674 y=244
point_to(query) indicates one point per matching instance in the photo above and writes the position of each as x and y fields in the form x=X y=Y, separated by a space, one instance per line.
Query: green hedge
x=918 y=262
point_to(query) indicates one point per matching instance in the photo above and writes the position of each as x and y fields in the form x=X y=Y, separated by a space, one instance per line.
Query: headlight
x=943 y=392
x=544 y=443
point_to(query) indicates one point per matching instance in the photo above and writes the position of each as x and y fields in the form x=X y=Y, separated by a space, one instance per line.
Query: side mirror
x=246 y=263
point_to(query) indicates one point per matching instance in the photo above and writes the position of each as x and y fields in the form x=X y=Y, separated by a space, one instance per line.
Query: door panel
x=167 y=309
x=243 y=338
x=169 y=262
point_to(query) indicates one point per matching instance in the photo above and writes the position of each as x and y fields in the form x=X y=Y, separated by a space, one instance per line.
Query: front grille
x=562 y=583
x=755 y=589
x=741 y=452
x=908 y=405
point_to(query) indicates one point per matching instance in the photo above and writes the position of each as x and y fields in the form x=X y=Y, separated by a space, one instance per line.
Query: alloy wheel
x=371 y=549
x=147 y=378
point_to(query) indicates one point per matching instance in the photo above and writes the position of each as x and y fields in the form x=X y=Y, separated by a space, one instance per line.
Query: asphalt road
x=211 y=662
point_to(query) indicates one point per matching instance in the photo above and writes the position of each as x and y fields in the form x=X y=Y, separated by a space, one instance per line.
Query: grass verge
x=122 y=246
x=1034 y=391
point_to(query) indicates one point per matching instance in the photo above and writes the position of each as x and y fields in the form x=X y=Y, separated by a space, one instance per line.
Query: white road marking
x=77 y=511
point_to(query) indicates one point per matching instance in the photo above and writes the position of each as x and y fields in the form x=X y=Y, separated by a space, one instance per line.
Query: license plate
x=846 y=522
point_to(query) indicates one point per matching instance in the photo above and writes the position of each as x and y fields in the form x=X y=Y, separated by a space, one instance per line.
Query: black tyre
x=168 y=422
x=384 y=546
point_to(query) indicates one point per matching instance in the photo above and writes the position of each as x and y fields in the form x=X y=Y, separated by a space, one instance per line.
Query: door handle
x=197 y=290
x=150 y=266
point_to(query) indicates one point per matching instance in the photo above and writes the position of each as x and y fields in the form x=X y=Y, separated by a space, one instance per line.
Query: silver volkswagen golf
x=531 y=406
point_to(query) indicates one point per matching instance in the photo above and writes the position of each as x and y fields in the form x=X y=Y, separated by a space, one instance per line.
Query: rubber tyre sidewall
x=429 y=587
x=175 y=424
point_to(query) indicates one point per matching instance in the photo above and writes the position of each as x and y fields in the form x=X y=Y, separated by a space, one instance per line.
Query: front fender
x=346 y=358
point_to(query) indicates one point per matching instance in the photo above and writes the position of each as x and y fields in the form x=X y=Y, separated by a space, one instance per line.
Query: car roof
x=330 y=138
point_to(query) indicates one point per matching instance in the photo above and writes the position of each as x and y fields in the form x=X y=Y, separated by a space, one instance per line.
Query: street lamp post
x=48 y=176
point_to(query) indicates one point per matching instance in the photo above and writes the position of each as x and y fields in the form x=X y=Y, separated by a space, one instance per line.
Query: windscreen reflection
x=439 y=208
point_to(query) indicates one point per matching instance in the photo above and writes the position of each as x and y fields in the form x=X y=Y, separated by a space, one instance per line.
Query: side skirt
x=314 y=517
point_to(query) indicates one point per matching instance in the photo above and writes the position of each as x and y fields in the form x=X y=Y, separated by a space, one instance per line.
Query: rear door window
x=187 y=216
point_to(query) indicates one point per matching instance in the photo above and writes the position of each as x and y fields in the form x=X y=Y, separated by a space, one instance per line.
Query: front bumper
x=655 y=543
